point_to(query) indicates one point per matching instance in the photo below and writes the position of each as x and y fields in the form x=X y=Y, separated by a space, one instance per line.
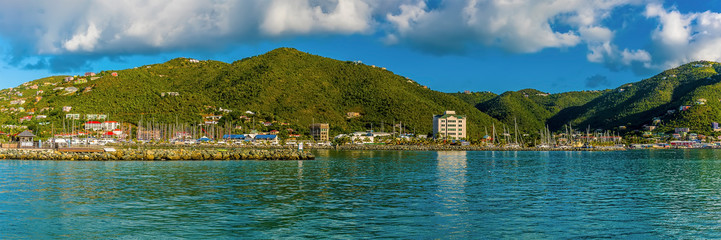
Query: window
x=443 y=125
x=451 y=125
x=460 y=126
x=451 y=121
x=443 y=120
x=451 y=133
x=452 y=129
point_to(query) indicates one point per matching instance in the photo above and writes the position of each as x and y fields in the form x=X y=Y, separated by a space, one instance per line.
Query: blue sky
x=448 y=45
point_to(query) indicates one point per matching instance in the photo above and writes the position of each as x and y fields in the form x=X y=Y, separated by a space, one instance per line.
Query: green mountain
x=285 y=87
x=474 y=98
x=661 y=97
x=530 y=108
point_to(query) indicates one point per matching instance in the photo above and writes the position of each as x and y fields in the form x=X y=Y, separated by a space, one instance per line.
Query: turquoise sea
x=644 y=194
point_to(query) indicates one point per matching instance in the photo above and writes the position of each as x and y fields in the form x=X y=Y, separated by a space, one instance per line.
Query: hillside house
x=682 y=130
x=67 y=108
x=701 y=101
x=352 y=114
x=26 y=118
x=89 y=74
x=715 y=127
x=114 y=74
x=39 y=92
x=70 y=90
x=81 y=81
x=68 y=79
x=213 y=117
x=72 y=116
x=34 y=87
x=41 y=116
x=17 y=102
x=684 y=108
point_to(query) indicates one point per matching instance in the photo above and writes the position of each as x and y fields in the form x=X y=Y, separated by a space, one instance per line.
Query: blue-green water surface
x=370 y=194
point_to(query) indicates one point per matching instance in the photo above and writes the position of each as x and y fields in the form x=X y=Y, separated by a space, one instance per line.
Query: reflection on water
x=451 y=181
x=371 y=194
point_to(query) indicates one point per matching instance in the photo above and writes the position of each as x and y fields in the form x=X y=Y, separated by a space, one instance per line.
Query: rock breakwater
x=158 y=155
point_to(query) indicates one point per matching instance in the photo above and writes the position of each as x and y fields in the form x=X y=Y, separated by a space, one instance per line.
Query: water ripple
x=357 y=194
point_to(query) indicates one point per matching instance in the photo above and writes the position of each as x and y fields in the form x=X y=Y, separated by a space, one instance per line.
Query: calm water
x=449 y=195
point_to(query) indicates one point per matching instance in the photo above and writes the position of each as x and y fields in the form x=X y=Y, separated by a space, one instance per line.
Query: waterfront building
x=93 y=125
x=319 y=131
x=449 y=125
x=110 y=125
x=26 y=139
x=272 y=139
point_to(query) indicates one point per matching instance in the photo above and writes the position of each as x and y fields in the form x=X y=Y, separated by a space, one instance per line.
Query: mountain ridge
x=290 y=86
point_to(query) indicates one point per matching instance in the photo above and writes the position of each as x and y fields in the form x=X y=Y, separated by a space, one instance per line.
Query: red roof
x=109 y=133
x=92 y=122
x=111 y=122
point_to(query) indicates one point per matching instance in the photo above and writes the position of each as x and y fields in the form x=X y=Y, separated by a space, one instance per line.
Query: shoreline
x=150 y=154
x=369 y=147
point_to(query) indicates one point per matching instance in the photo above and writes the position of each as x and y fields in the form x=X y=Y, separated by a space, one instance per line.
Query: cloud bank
x=66 y=35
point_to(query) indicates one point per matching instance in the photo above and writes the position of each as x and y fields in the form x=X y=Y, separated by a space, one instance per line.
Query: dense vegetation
x=281 y=86
x=530 y=108
x=293 y=89
x=635 y=104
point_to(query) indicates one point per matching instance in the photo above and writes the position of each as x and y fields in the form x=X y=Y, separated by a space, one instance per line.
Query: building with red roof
x=93 y=125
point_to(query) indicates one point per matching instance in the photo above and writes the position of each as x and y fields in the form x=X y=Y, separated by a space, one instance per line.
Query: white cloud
x=82 y=30
x=300 y=17
x=684 y=37
x=523 y=26
x=83 y=41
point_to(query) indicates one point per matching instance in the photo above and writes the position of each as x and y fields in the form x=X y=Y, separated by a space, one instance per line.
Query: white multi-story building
x=109 y=125
x=449 y=125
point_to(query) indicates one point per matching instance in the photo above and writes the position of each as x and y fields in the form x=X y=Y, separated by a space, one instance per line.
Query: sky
x=447 y=45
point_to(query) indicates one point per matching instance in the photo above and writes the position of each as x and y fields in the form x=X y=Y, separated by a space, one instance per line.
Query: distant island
x=280 y=98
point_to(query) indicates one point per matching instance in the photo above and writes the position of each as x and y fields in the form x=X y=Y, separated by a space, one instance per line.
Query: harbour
x=371 y=194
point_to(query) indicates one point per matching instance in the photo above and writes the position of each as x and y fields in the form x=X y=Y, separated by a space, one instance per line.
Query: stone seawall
x=463 y=148
x=158 y=155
